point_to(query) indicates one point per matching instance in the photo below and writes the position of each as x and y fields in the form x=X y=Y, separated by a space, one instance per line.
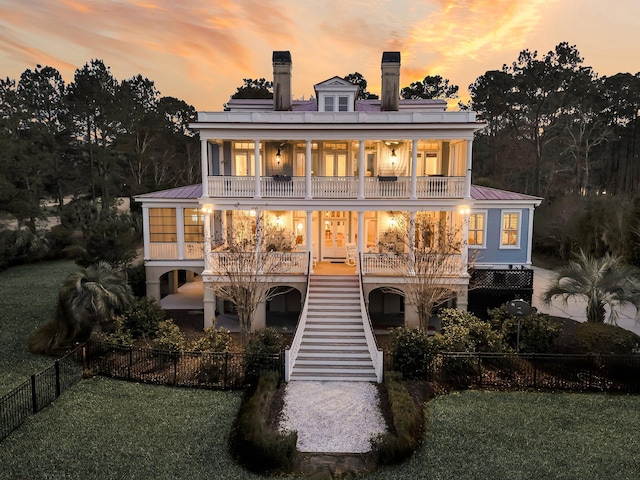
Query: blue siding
x=493 y=254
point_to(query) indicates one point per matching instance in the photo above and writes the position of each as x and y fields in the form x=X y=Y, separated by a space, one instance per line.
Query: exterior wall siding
x=492 y=254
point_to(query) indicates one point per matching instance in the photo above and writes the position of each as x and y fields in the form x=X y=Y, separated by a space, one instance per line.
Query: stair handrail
x=291 y=352
x=375 y=352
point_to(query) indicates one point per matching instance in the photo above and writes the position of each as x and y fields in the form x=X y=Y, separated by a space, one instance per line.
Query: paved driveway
x=575 y=309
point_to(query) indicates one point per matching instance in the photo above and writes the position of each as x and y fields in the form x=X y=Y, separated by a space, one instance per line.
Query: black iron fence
x=551 y=372
x=39 y=391
x=185 y=369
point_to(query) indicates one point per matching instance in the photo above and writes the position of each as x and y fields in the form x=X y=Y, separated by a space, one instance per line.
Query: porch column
x=307 y=171
x=462 y=300
x=145 y=232
x=207 y=240
x=467 y=186
x=209 y=303
x=259 y=317
x=309 y=237
x=180 y=231
x=414 y=170
x=360 y=238
x=204 y=165
x=464 y=250
x=529 y=236
x=412 y=242
x=256 y=169
x=360 y=177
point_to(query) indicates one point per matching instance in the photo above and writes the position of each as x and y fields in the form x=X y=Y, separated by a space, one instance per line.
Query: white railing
x=375 y=353
x=271 y=263
x=337 y=187
x=162 y=251
x=392 y=264
x=291 y=353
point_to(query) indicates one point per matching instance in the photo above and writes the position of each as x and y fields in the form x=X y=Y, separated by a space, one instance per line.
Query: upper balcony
x=284 y=186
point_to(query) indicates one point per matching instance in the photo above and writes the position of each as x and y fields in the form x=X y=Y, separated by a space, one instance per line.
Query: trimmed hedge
x=398 y=445
x=604 y=338
x=257 y=445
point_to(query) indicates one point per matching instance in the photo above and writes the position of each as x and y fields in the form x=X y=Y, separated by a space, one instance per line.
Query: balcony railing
x=169 y=251
x=393 y=264
x=337 y=187
x=269 y=263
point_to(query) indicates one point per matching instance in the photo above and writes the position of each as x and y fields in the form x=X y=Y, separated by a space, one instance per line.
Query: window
x=477 y=229
x=328 y=104
x=193 y=225
x=162 y=225
x=510 y=236
x=343 y=104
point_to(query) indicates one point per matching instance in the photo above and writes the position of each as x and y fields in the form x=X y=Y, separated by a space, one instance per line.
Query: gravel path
x=337 y=417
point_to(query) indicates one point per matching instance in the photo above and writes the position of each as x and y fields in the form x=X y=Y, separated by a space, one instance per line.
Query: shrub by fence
x=608 y=373
x=185 y=369
x=39 y=391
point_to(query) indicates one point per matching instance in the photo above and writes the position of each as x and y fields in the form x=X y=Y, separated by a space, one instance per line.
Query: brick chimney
x=281 y=80
x=390 y=94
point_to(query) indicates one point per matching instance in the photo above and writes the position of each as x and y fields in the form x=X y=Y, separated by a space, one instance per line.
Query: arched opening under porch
x=283 y=310
x=386 y=309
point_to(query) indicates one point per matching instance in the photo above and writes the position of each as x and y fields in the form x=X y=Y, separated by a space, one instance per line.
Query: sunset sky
x=200 y=50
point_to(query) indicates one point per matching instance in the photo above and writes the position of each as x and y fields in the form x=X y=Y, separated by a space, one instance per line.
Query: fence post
x=226 y=370
x=175 y=369
x=535 y=372
x=34 y=396
x=130 y=362
x=479 y=370
x=57 y=369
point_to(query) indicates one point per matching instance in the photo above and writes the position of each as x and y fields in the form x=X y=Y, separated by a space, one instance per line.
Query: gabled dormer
x=336 y=95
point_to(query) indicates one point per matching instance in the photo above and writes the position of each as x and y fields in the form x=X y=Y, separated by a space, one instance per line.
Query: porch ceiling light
x=278 y=156
x=393 y=156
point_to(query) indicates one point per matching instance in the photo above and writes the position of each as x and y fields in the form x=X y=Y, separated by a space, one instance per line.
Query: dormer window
x=336 y=95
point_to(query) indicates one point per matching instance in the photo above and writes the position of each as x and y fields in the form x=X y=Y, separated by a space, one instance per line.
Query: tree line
x=96 y=137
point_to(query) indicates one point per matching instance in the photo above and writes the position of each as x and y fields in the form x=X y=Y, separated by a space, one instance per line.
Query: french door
x=335 y=235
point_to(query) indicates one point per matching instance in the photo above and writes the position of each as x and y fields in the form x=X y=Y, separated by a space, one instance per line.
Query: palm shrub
x=537 y=331
x=89 y=300
x=600 y=282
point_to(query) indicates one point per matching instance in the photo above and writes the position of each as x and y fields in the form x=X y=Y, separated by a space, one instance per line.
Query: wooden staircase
x=334 y=346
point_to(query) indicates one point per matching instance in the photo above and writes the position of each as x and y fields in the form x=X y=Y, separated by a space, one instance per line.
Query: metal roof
x=486 y=193
x=194 y=192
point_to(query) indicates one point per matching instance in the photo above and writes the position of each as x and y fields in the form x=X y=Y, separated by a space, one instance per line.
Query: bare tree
x=429 y=251
x=247 y=273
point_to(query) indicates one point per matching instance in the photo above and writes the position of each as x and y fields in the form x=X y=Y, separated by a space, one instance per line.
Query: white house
x=333 y=177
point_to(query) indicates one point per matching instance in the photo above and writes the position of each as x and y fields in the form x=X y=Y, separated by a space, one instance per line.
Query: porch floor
x=329 y=268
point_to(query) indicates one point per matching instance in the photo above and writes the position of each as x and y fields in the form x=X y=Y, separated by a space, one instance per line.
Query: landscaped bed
x=112 y=429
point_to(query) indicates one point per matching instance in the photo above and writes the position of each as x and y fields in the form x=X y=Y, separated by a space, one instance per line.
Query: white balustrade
x=193 y=250
x=283 y=186
x=271 y=263
x=392 y=264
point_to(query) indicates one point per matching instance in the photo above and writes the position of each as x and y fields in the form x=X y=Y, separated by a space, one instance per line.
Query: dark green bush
x=256 y=444
x=260 y=351
x=464 y=332
x=120 y=335
x=137 y=280
x=169 y=337
x=537 y=331
x=604 y=338
x=213 y=341
x=143 y=317
x=398 y=445
x=412 y=352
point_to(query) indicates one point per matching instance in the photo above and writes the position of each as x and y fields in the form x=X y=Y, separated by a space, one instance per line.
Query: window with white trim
x=510 y=234
x=477 y=229
x=336 y=103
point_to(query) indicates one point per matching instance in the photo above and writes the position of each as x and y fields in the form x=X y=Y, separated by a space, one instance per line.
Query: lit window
x=477 y=229
x=193 y=225
x=510 y=236
x=162 y=225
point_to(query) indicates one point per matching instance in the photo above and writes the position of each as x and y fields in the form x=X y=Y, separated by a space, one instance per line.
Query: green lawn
x=28 y=297
x=109 y=429
x=519 y=435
